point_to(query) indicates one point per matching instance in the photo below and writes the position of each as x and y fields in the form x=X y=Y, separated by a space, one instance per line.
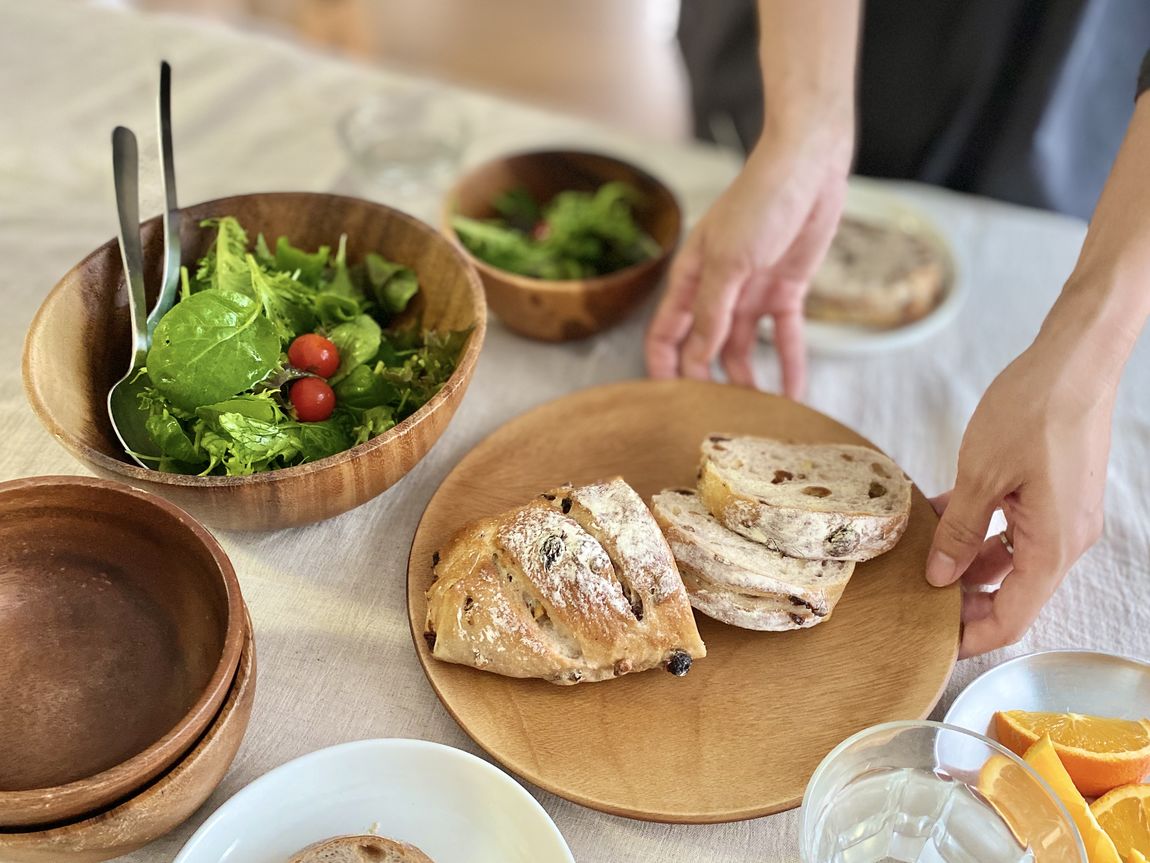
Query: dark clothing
x=1024 y=100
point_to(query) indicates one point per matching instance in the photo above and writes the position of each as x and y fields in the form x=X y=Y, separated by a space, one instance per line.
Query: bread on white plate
x=740 y=582
x=814 y=501
x=877 y=274
x=367 y=848
x=578 y=585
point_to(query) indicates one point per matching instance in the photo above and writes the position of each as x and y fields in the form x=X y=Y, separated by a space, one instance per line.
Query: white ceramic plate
x=455 y=807
x=1056 y=681
x=867 y=200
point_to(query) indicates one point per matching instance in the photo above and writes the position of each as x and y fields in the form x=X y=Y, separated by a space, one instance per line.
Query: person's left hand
x=1037 y=448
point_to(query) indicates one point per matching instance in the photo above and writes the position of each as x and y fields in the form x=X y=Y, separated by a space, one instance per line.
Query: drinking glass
x=405 y=144
x=925 y=792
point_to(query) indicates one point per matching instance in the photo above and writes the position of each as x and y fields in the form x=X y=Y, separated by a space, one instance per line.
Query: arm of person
x=754 y=252
x=1038 y=443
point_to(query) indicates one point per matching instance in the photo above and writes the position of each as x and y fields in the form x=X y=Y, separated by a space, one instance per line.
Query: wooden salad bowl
x=559 y=310
x=160 y=807
x=123 y=627
x=77 y=348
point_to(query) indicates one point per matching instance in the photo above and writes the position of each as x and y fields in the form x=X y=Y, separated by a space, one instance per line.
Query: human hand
x=753 y=254
x=1037 y=448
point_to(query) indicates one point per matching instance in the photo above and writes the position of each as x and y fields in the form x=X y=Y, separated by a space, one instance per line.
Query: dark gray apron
x=1023 y=100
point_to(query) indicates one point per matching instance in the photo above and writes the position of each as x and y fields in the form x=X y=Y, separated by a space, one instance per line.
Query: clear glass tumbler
x=405 y=145
x=925 y=792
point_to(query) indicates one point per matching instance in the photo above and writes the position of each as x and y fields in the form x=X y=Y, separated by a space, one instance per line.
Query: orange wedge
x=1099 y=846
x=1124 y=813
x=1135 y=857
x=1027 y=810
x=1099 y=754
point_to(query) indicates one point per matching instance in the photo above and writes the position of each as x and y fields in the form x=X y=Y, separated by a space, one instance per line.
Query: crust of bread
x=367 y=848
x=878 y=276
x=812 y=501
x=741 y=582
x=578 y=585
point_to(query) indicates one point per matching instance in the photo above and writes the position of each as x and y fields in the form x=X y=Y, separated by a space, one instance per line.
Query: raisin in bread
x=577 y=586
x=740 y=582
x=818 y=501
x=360 y=849
x=877 y=275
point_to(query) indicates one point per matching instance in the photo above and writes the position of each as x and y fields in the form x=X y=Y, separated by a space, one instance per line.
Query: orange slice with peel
x=1043 y=758
x=1124 y=813
x=1100 y=754
x=1135 y=857
x=1027 y=810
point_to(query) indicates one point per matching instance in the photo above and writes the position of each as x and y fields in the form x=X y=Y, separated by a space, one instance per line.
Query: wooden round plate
x=740 y=735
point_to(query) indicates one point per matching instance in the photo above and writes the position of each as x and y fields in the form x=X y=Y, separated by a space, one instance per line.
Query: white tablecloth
x=335 y=657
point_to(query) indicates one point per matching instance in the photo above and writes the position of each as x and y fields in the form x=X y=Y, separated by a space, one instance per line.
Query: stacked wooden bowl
x=127 y=666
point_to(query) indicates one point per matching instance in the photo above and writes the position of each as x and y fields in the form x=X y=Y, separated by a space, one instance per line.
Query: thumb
x=961 y=531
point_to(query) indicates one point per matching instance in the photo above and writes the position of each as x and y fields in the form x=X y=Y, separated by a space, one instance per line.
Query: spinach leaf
x=392 y=285
x=309 y=265
x=339 y=300
x=211 y=346
x=261 y=406
x=243 y=445
x=171 y=438
x=363 y=389
x=321 y=439
x=358 y=341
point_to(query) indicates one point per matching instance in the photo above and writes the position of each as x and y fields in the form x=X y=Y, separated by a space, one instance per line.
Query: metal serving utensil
x=128 y=419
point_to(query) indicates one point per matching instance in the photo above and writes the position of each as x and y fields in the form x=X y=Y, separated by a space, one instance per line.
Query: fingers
x=673 y=318
x=961 y=530
x=720 y=288
x=792 y=350
x=740 y=348
x=1003 y=617
x=990 y=566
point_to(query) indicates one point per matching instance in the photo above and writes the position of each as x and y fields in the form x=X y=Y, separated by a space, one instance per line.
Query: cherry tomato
x=313 y=353
x=312 y=399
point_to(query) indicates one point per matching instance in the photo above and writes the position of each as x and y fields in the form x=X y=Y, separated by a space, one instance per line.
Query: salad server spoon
x=127 y=418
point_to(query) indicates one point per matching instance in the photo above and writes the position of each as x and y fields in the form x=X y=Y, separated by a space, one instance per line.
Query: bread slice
x=877 y=275
x=360 y=849
x=740 y=582
x=815 y=501
x=576 y=586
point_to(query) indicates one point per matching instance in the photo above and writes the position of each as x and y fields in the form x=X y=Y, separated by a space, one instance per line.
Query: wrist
x=824 y=134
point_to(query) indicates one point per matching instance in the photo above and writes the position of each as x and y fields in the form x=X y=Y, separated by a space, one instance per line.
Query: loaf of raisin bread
x=877 y=275
x=360 y=849
x=740 y=582
x=817 y=501
x=577 y=586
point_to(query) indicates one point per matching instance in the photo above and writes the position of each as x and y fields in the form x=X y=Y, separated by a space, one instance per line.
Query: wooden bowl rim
x=175 y=743
x=594 y=284
x=239 y=688
x=459 y=376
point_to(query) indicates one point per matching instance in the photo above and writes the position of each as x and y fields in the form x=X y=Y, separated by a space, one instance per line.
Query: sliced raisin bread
x=740 y=582
x=816 y=501
x=577 y=586
x=360 y=849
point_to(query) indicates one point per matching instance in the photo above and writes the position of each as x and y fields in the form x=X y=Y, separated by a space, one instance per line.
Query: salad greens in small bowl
x=319 y=347
x=567 y=243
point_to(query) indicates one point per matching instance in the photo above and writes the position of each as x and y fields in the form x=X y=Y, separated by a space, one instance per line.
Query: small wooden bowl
x=123 y=625
x=77 y=347
x=161 y=807
x=553 y=310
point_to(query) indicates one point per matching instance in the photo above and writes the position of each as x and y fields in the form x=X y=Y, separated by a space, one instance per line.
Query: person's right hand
x=751 y=255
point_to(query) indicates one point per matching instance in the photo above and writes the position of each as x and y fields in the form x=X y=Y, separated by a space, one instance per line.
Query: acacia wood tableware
x=558 y=310
x=77 y=347
x=121 y=625
x=160 y=807
x=740 y=735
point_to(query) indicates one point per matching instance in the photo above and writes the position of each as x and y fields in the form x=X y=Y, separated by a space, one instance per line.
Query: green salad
x=273 y=357
x=574 y=236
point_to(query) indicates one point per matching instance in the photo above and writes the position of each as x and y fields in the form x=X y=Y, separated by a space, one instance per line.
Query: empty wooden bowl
x=77 y=347
x=121 y=625
x=553 y=310
x=160 y=807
